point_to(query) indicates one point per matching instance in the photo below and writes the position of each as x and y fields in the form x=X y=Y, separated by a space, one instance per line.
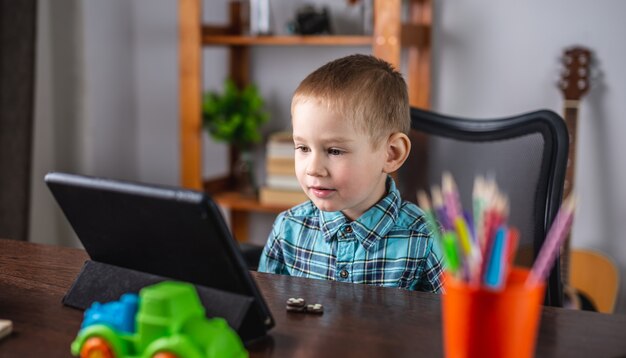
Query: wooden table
x=359 y=320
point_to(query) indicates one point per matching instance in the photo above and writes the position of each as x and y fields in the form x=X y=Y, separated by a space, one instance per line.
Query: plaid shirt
x=389 y=245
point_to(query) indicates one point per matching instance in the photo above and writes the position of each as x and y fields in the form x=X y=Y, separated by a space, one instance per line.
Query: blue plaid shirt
x=389 y=245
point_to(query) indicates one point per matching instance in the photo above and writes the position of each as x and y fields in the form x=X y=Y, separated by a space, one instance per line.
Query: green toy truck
x=166 y=320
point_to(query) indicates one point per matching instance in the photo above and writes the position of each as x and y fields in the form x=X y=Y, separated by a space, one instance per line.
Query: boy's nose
x=315 y=166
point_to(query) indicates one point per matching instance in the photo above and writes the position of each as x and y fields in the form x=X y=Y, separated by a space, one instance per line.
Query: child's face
x=336 y=165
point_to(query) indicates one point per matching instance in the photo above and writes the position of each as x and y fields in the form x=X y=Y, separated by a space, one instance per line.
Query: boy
x=350 y=121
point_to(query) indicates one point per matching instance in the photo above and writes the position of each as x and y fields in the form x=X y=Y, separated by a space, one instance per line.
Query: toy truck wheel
x=176 y=346
x=96 y=347
x=165 y=355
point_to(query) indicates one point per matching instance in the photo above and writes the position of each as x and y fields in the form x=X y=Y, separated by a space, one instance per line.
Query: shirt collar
x=374 y=224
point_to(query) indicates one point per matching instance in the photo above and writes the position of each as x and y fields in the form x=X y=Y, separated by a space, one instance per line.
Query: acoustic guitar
x=574 y=84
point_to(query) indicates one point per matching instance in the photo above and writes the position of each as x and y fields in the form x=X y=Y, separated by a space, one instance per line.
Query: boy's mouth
x=321 y=192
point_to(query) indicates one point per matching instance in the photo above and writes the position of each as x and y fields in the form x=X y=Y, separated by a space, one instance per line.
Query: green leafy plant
x=234 y=116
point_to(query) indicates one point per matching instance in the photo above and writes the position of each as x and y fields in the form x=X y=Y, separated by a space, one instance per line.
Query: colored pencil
x=497 y=261
x=551 y=246
x=424 y=204
x=439 y=209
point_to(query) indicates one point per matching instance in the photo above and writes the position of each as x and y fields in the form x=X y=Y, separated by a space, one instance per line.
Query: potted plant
x=235 y=116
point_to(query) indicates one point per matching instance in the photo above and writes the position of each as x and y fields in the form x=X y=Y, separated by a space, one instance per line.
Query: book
x=260 y=17
x=271 y=196
x=283 y=182
x=280 y=166
x=280 y=145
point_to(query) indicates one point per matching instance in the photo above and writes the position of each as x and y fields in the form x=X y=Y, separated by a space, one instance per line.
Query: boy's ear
x=398 y=148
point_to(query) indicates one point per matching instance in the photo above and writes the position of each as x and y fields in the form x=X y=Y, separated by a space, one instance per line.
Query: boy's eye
x=333 y=151
x=302 y=148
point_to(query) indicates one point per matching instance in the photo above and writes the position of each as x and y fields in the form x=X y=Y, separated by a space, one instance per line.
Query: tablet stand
x=100 y=282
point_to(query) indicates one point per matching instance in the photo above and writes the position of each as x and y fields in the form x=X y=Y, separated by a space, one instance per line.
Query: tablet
x=166 y=231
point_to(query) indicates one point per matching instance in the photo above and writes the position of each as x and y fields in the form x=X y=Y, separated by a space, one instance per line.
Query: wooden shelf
x=235 y=40
x=240 y=207
x=390 y=36
x=235 y=201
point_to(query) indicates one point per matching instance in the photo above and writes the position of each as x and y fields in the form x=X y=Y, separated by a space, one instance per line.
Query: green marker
x=450 y=252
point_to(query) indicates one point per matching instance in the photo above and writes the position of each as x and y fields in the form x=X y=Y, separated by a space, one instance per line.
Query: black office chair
x=251 y=254
x=526 y=153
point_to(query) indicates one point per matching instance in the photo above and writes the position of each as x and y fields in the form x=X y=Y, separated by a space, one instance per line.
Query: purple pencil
x=439 y=207
x=450 y=192
x=555 y=238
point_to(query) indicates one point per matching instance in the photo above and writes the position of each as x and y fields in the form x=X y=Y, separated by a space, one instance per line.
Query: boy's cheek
x=299 y=167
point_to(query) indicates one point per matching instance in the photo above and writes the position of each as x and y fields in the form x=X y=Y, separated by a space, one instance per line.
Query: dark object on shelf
x=310 y=21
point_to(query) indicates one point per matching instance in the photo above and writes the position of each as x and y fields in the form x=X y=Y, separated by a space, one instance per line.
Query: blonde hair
x=363 y=89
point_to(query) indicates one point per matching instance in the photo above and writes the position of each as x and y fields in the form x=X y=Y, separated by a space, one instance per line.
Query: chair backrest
x=526 y=154
x=596 y=275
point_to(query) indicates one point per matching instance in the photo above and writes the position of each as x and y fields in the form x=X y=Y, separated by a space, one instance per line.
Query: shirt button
x=348 y=229
x=343 y=274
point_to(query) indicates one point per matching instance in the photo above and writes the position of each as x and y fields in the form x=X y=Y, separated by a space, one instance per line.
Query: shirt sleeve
x=272 y=260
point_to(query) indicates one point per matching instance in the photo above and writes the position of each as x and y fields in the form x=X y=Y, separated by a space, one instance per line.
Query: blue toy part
x=119 y=315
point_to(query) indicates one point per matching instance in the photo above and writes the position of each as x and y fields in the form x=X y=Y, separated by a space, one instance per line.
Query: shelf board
x=323 y=40
x=235 y=201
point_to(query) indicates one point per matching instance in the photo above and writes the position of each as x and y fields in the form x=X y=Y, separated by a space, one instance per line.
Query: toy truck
x=165 y=320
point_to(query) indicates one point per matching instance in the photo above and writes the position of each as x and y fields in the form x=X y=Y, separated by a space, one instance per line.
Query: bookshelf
x=390 y=37
x=226 y=40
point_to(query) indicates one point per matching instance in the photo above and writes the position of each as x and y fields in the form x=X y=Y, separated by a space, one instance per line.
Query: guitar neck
x=571 y=121
x=574 y=84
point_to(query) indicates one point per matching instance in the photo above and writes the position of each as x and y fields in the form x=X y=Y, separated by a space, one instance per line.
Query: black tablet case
x=138 y=234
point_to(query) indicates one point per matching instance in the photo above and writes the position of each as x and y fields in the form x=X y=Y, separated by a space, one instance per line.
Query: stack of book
x=281 y=185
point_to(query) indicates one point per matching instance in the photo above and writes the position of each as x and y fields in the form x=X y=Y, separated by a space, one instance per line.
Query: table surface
x=358 y=320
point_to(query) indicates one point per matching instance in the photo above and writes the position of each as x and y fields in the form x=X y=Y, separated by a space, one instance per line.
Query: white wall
x=155 y=80
x=58 y=118
x=107 y=93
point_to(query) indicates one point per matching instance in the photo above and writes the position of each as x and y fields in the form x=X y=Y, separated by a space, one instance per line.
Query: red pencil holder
x=478 y=322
